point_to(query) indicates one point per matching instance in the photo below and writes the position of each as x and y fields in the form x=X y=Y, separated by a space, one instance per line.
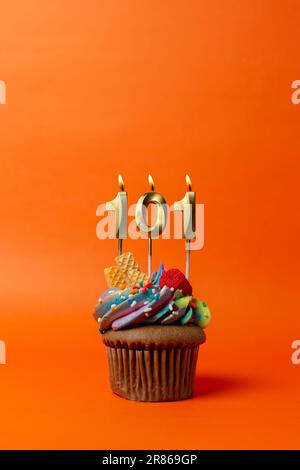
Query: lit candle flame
x=188 y=182
x=121 y=182
x=151 y=182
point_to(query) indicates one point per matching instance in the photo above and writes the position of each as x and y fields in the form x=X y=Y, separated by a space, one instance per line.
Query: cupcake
x=152 y=330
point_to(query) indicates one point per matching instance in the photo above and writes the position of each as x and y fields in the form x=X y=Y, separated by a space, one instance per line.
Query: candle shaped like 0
x=119 y=206
x=187 y=206
x=141 y=217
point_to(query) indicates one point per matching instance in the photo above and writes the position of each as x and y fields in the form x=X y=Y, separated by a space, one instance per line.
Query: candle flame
x=188 y=182
x=121 y=182
x=151 y=182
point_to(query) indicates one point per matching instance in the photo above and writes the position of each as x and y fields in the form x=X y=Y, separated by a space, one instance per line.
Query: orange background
x=167 y=87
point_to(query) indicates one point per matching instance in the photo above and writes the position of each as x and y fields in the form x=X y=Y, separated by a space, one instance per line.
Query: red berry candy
x=175 y=278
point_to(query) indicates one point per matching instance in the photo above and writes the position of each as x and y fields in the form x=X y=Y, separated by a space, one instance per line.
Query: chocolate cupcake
x=152 y=331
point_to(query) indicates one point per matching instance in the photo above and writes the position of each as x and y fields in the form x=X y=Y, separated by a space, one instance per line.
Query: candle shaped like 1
x=119 y=206
x=187 y=206
x=141 y=217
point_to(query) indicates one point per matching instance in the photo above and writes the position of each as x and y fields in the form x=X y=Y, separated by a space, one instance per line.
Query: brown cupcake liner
x=153 y=375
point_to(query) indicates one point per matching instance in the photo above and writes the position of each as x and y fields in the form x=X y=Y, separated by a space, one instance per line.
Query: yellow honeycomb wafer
x=115 y=277
x=135 y=276
x=127 y=262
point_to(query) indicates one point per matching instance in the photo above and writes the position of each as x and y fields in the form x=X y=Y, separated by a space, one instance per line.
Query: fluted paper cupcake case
x=153 y=371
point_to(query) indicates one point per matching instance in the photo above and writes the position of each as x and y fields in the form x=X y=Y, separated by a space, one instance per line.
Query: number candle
x=119 y=206
x=141 y=217
x=187 y=206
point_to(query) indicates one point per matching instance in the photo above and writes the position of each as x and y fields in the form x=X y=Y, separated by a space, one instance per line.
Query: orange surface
x=100 y=88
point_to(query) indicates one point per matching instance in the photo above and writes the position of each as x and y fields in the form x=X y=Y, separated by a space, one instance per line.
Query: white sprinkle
x=100 y=299
x=130 y=296
x=99 y=320
x=113 y=306
x=153 y=291
x=172 y=289
x=133 y=303
x=110 y=291
x=171 y=308
x=146 y=302
x=123 y=297
x=148 y=309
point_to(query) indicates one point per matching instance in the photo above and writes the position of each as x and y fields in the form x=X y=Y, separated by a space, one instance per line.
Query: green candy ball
x=202 y=314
